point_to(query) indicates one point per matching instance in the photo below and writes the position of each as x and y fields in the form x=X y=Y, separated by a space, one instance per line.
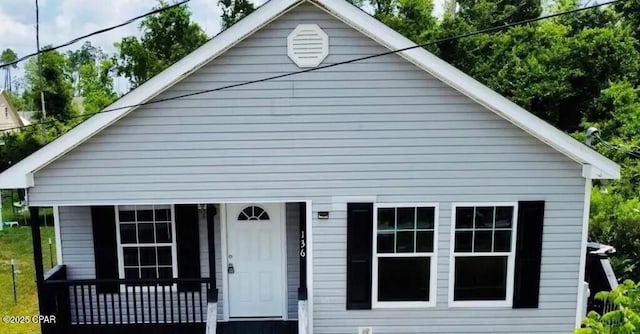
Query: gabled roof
x=17 y=119
x=595 y=165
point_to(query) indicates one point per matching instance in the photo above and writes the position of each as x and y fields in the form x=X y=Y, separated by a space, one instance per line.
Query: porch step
x=258 y=327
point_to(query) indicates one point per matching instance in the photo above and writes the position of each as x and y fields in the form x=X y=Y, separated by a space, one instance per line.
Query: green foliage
x=8 y=56
x=614 y=221
x=234 y=11
x=624 y=318
x=615 y=206
x=19 y=144
x=85 y=55
x=166 y=38
x=96 y=85
x=412 y=18
x=554 y=68
x=52 y=79
x=490 y=13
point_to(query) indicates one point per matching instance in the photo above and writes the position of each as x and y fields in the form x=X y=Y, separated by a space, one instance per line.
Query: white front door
x=255 y=234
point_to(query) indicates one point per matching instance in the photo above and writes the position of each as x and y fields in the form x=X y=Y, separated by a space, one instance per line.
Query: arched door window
x=253 y=213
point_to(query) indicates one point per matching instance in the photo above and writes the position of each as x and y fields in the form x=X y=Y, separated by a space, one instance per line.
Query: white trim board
x=511 y=258
x=595 y=165
x=583 y=253
x=224 y=237
x=433 y=257
x=57 y=227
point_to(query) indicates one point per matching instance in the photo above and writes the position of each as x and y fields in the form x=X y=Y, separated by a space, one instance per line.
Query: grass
x=15 y=243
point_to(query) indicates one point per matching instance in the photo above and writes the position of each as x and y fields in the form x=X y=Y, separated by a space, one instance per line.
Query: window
x=483 y=255
x=253 y=213
x=404 y=251
x=146 y=241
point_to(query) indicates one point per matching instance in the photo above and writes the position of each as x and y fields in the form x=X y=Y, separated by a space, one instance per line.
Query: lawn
x=15 y=243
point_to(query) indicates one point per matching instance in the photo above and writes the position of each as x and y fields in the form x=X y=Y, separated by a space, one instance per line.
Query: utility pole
x=44 y=111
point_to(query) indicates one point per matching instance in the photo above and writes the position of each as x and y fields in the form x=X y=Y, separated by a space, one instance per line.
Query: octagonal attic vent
x=307 y=45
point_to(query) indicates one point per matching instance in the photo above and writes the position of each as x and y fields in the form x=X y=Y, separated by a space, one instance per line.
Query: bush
x=624 y=317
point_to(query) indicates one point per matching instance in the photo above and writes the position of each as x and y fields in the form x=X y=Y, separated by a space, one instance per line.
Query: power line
x=617 y=148
x=280 y=76
x=77 y=39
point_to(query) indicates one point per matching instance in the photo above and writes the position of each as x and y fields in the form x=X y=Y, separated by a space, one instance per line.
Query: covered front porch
x=178 y=268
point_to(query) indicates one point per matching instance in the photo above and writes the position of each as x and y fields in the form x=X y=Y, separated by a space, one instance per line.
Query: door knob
x=230 y=268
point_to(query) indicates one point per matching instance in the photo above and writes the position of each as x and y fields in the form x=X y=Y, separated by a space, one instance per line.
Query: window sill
x=480 y=303
x=402 y=305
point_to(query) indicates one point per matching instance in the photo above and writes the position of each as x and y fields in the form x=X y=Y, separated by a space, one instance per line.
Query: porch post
x=212 y=294
x=37 y=259
x=302 y=288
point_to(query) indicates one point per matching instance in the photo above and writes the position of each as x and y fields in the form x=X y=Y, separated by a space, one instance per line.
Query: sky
x=63 y=20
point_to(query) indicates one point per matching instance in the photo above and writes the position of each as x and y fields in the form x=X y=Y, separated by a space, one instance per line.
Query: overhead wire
x=97 y=32
x=616 y=148
x=353 y=60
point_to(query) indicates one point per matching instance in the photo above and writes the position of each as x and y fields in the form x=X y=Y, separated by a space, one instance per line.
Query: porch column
x=302 y=287
x=212 y=294
x=37 y=259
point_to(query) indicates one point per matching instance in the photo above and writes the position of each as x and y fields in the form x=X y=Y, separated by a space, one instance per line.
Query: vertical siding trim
x=211 y=211
x=224 y=262
x=309 y=213
x=284 y=258
x=58 y=236
x=583 y=251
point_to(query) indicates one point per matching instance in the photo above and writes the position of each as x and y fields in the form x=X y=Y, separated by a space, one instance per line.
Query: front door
x=255 y=234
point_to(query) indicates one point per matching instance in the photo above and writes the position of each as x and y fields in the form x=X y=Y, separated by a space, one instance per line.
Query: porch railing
x=122 y=301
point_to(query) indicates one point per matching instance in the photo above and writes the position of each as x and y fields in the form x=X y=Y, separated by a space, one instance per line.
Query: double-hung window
x=404 y=255
x=146 y=241
x=483 y=254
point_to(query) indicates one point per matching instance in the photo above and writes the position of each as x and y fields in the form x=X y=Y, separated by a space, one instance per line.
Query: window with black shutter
x=483 y=254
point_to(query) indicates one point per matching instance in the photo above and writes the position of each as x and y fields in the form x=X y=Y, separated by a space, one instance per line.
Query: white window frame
x=174 y=252
x=433 y=279
x=511 y=257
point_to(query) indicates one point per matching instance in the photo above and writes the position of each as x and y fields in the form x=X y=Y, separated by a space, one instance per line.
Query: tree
x=52 y=79
x=491 y=13
x=166 y=38
x=7 y=57
x=96 y=85
x=234 y=11
x=411 y=18
x=78 y=58
x=615 y=206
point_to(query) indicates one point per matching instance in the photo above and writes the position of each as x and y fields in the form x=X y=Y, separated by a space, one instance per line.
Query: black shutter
x=105 y=246
x=526 y=288
x=359 y=248
x=187 y=241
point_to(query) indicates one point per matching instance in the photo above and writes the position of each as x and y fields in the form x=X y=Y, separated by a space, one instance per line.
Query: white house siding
x=380 y=127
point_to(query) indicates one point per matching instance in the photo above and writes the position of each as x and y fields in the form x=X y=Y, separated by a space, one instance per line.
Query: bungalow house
x=10 y=119
x=393 y=194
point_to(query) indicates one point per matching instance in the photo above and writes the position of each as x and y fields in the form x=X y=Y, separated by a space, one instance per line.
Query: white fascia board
x=591 y=172
x=15 y=177
x=470 y=87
